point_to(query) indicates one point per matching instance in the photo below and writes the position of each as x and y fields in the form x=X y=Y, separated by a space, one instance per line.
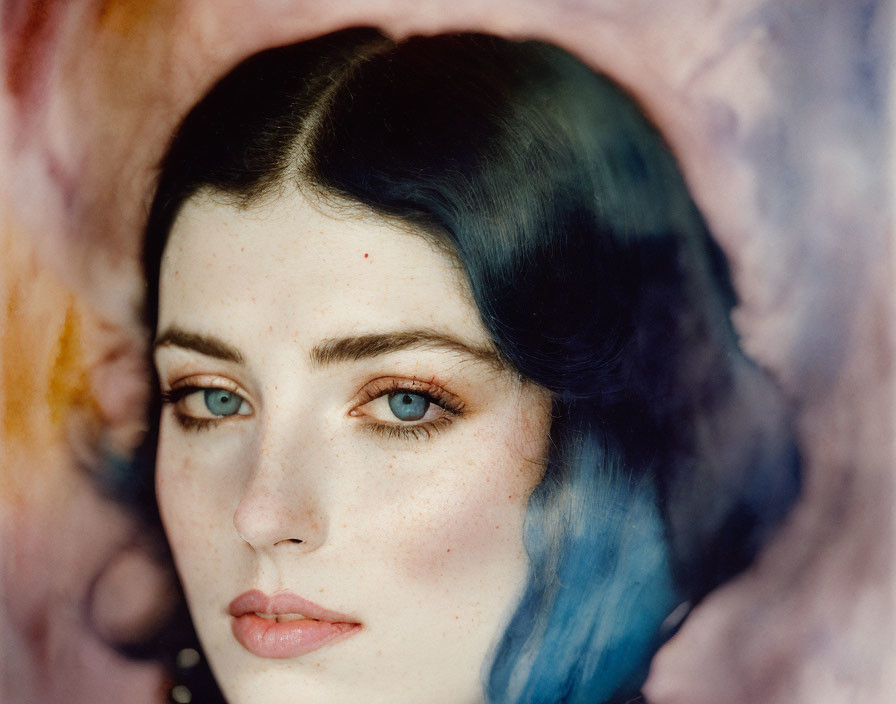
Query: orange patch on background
x=44 y=373
x=125 y=16
x=43 y=379
x=69 y=382
x=17 y=377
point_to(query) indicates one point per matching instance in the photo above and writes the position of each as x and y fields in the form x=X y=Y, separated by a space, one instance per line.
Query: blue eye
x=222 y=402
x=408 y=406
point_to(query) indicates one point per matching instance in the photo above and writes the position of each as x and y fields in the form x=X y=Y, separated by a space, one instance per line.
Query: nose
x=278 y=507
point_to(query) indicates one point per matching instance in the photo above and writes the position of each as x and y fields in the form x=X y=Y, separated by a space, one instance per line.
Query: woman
x=452 y=406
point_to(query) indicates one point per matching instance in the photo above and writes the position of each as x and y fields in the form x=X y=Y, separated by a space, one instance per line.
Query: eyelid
x=206 y=381
x=384 y=385
x=451 y=407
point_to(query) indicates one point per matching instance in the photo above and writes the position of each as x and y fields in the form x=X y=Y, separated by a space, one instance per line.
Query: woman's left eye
x=407 y=405
x=402 y=406
x=415 y=407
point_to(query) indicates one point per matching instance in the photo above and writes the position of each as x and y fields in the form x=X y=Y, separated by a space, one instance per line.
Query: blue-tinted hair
x=672 y=455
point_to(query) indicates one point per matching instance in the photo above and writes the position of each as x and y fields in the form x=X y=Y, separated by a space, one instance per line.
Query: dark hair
x=672 y=454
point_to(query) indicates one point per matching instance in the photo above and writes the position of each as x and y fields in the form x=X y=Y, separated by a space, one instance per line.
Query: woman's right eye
x=200 y=406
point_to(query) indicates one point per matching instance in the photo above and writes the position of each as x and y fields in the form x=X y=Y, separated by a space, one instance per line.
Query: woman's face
x=343 y=466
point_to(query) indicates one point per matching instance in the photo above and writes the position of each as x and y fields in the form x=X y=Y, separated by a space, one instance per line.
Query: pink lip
x=267 y=638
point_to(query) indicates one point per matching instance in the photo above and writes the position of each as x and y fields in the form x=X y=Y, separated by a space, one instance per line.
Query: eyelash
x=405 y=431
x=377 y=388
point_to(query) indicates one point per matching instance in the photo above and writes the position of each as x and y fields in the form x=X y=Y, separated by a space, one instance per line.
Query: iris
x=408 y=406
x=222 y=402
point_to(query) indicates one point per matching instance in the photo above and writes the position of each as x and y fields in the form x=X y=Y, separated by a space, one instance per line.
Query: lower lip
x=267 y=638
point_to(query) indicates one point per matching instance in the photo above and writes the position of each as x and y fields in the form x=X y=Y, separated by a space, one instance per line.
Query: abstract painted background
x=781 y=113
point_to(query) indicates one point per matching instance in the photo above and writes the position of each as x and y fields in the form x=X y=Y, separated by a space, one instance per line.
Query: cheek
x=188 y=508
x=172 y=492
x=466 y=522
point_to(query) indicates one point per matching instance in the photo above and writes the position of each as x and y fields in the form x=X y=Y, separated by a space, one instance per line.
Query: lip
x=268 y=638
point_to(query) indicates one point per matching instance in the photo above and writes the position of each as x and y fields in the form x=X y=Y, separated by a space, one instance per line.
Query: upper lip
x=256 y=601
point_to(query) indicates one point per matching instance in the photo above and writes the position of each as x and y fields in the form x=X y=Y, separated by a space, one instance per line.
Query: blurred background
x=781 y=113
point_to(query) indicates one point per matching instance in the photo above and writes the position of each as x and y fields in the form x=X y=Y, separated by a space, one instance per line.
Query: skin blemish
x=366 y=255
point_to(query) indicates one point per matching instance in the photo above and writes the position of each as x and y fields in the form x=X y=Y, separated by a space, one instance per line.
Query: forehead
x=307 y=268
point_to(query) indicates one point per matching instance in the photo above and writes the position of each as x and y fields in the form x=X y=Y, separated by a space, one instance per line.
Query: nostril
x=295 y=541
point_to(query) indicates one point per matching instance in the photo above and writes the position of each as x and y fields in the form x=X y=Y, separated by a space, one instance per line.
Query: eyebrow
x=337 y=350
x=356 y=348
x=208 y=345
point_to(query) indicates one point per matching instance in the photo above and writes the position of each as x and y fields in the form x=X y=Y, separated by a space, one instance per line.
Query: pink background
x=780 y=113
